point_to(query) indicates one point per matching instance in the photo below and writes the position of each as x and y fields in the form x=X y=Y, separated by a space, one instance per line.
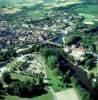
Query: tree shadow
x=2 y=98
x=14 y=80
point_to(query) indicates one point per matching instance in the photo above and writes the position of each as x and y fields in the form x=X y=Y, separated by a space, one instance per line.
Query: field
x=20 y=77
x=35 y=9
x=89 y=11
x=54 y=80
x=43 y=8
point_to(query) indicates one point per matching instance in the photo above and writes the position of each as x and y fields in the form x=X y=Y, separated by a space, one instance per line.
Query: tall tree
x=6 y=77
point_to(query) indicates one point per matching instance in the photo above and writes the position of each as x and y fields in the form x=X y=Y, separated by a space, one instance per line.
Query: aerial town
x=48 y=50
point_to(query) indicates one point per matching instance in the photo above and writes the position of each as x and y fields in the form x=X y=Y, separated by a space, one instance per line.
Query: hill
x=37 y=9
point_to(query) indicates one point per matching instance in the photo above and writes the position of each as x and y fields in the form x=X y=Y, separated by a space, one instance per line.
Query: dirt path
x=69 y=94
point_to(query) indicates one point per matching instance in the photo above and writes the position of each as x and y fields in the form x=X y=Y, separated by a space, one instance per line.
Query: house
x=78 y=53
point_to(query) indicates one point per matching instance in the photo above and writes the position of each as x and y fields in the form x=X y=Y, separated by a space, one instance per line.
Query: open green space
x=54 y=80
x=9 y=97
x=86 y=8
x=20 y=77
x=89 y=11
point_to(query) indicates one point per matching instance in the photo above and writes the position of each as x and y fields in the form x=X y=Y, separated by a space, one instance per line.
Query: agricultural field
x=44 y=8
x=89 y=11
x=36 y=9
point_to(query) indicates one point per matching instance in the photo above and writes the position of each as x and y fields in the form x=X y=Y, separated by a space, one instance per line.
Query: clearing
x=69 y=94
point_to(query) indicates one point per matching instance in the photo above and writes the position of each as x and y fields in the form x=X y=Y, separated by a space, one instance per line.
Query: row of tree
x=26 y=88
x=6 y=55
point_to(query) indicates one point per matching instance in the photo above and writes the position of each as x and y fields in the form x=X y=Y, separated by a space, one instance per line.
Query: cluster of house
x=34 y=31
x=77 y=52
x=7 y=35
x=10 y=36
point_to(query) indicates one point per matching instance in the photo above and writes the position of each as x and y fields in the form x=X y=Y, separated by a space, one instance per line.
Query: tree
x=1 y=85
x=67 y=77
x=89 y=56
x=74 y=40
x=2 y=56
x=13 y=89
x=96 y=83
x=6 y=77
x=11 y=52
x=71 y=58
x=44 y=52
x=6 y=55
x=90 y=63
x=91 y=76
x=30 y=85
x=74 y=81
x=41 y=80
x=52 y=61
x=25 y=65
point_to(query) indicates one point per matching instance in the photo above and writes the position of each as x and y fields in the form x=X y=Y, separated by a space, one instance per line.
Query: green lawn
x=9 y=97
x=54 y=80
x=88 y=11
x=88 y=18
x=20 y=77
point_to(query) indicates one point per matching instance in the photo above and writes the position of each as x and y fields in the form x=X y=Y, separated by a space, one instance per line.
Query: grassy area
x=61 y=3
x=9 y=97
x=88 y=18
x=54 y=80
x=11 y=64
x=20 y=77
x=35 y=9
x=78 y=94
x=88 y=11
